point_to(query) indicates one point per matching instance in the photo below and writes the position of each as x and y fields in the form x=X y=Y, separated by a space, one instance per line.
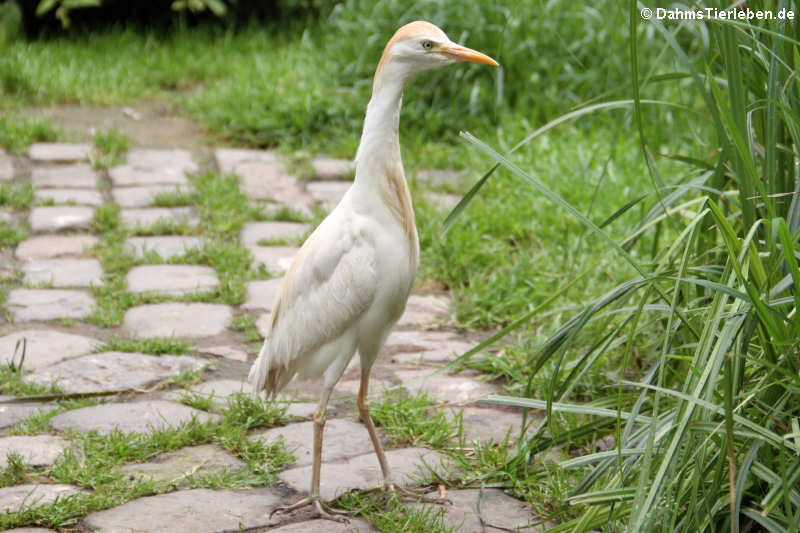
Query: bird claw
x=322 y=510
x=417 y=494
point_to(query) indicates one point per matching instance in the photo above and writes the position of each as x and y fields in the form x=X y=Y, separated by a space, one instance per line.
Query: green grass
x=17 y=133
x=13 y=233
x=391 y=514
x=414 y=421
x=151 y=345
x=112 y=146
x=247 y=325
x=92 y=463
x=16 y=194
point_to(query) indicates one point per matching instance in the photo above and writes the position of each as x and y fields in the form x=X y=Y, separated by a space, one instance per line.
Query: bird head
x=419 y=46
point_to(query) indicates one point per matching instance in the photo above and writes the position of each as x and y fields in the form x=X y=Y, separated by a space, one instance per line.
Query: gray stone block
x=138 y=417
x=69 y=196
x=130 y=176
x=79 y=176
x=143 y=196
x=172 y=280
x=261 y=294
x=196 y=511
x=12 y=499
x=48 y=304
x=363 y=471
x=177 y=319
x=253 y=232
x=35 y=450
x=64 y=272
x=342 y=438
x=59 y=152
x=60 y=218
x=45 y=347
x=166 y=246
x=50 y=246
x=113 y=371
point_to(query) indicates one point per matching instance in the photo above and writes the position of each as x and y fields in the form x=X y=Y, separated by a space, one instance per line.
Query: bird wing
x=332 y=281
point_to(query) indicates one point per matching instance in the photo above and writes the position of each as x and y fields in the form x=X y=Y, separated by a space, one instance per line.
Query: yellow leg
x=363 y=412
x=388 y=481
x=322 y=510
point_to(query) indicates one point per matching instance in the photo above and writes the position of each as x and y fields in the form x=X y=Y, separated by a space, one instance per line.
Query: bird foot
x=416 y=494
x=321 y=509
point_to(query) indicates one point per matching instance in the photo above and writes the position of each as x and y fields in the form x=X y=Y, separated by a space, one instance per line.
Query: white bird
x=349 y=283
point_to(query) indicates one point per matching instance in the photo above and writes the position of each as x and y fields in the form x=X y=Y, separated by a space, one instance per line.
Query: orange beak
x=462 y=53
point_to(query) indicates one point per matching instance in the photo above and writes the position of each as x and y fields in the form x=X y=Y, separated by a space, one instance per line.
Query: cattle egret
x=349 y=282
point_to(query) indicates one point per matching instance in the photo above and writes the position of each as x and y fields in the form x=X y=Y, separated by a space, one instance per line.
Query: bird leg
x=388 y=482
x=322 y=510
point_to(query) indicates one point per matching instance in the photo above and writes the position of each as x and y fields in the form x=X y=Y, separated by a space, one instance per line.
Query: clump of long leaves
x=705 y=416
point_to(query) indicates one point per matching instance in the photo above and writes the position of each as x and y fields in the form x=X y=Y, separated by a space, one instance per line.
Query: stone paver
x=59 y=152
x=227 y=352
x=130 y=176
x=445 y=388
x=64 y=272
x=113 y=371
x=48 y=304
x=261 y=293
x=35 y=450
x=196 y=510
x=327 y=526
x=173 y=468
x=6 y=166
x=342 y=438
x=270 y=181
x=253 y=232
x=47 y=347
x=50 y=246
x=14 y=498
x=275 y=258
x=60 y=218
x=177 y=319
x=79 y=176
x=327 y=168
x=166 y=246
x=424 y=346
x=172 y=280
x=499 y=511
x=425 y=310
x=228 y=158
x=139 y=417
x=485 y=425
x=160 y=158
x=363 y=471
x=147 y=216
x=328 y=193
x=143 y=196
x=31 y=530
x=219 y=389
x=11 y=413
x=69 y=196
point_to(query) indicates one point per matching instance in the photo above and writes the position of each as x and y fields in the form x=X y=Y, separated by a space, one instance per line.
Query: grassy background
x=644 y=253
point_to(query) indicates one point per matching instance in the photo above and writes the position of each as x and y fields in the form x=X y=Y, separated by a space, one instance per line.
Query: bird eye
x=427 y=45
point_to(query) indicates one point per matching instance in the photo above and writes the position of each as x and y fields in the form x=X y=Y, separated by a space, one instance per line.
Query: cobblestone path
x=50 y=301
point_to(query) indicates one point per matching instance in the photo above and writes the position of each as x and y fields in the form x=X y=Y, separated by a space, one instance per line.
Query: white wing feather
x=331 y=283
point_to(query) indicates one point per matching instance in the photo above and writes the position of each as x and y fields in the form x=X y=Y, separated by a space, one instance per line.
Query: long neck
x=380 y=142
x=379 y=166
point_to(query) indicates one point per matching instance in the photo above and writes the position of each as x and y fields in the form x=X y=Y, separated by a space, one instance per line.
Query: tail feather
x=264 y=376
